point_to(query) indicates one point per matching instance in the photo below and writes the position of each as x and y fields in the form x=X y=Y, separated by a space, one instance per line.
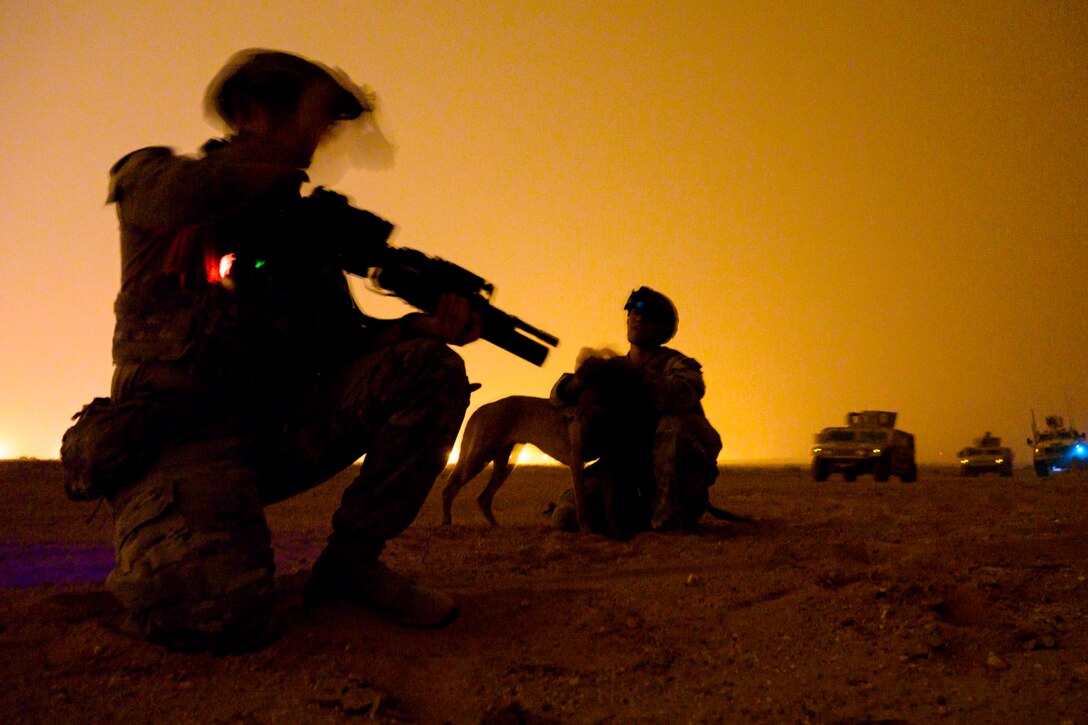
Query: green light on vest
x=258 y=264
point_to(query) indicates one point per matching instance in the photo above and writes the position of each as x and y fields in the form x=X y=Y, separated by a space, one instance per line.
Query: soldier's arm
x=679 y=387
x=157 y=189
x=564 y=392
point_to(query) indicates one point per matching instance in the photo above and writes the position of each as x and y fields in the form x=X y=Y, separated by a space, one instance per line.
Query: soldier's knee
x=678 y=427
x=432 y=357
x=210 y=602
x=685 y=436
x=190 y=584
x=670 y=429
x=436 y=372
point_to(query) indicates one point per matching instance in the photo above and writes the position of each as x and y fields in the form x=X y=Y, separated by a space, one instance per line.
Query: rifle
x=420 y=280
x=416 y=278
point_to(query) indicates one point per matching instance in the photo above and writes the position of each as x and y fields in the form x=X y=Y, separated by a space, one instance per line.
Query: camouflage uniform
x=685 y=448
x=253 y=418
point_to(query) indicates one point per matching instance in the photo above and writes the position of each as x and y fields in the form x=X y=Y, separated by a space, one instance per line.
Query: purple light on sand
x=31 y=564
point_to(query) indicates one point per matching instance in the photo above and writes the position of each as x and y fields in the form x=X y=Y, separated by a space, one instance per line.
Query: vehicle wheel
x=911 y=475
x=1006 y=473
x=882 y=471
x=1041 y=469
x=819 y=470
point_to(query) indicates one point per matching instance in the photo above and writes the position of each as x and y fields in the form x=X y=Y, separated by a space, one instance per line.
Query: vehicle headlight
x=999 y=460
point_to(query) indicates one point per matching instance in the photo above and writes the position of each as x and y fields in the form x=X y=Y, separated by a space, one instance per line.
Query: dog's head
x=615 y=408
x=593 y=352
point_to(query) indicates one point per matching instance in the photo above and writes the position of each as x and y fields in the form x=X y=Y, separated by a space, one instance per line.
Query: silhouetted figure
x=234 y=318
x=685 y=446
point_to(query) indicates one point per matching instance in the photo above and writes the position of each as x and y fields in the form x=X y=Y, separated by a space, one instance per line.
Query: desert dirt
x=948 y=600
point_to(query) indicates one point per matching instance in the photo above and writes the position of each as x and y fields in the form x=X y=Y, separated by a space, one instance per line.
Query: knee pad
x=191 y=577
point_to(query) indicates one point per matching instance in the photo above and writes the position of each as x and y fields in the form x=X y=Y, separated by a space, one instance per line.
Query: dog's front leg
x=608 y=491
x=577 y=473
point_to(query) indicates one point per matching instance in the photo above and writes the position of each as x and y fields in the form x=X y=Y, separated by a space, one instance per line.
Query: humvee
x=986 y=455
x=1057 y=447
x=868 y=443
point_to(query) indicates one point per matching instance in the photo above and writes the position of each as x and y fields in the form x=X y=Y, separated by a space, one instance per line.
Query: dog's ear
x=586 y=353
x=590 y=368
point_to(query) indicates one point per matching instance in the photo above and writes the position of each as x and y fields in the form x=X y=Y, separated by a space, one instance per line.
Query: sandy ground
x=956 y=600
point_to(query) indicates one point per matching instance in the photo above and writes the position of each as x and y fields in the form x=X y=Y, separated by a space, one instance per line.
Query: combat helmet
x=277 y=79
x=652 y=305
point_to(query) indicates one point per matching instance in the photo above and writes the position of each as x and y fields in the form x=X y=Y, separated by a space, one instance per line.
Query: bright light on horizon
x=530 y=456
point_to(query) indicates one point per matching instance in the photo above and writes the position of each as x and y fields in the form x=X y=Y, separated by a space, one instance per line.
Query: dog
x=612 y=421
x=495 y=433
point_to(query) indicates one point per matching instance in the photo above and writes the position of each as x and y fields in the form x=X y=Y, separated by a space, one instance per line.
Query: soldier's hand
x=454 y=321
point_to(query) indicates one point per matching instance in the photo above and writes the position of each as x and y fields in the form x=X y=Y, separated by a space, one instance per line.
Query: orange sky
x=853 y=205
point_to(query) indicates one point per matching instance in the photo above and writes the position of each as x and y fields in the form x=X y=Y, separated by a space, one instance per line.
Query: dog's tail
x=723 y=515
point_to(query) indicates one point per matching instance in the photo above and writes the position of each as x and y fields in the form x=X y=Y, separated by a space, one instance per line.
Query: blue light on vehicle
x=1080 y=451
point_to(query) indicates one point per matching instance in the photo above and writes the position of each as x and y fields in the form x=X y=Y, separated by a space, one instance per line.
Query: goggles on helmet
x=650 y=304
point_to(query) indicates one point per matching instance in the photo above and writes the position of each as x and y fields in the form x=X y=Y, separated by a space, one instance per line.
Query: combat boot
x=374 y=586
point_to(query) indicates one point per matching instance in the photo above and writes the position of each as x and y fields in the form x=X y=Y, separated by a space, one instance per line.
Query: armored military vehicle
x=986 y=455
x=1057 y=447
x=868 y=443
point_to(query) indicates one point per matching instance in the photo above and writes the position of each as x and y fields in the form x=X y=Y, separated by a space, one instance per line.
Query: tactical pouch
x=112 y=444
x=154 y=322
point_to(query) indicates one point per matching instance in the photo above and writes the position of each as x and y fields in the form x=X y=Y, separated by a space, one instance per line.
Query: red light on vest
x=217 y=271
x=225 y=265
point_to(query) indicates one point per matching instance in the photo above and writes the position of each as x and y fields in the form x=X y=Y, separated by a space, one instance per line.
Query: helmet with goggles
x=653 y=306
x=276 y=79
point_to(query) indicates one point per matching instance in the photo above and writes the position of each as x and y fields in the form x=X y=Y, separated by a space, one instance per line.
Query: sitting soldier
x=685 y=445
